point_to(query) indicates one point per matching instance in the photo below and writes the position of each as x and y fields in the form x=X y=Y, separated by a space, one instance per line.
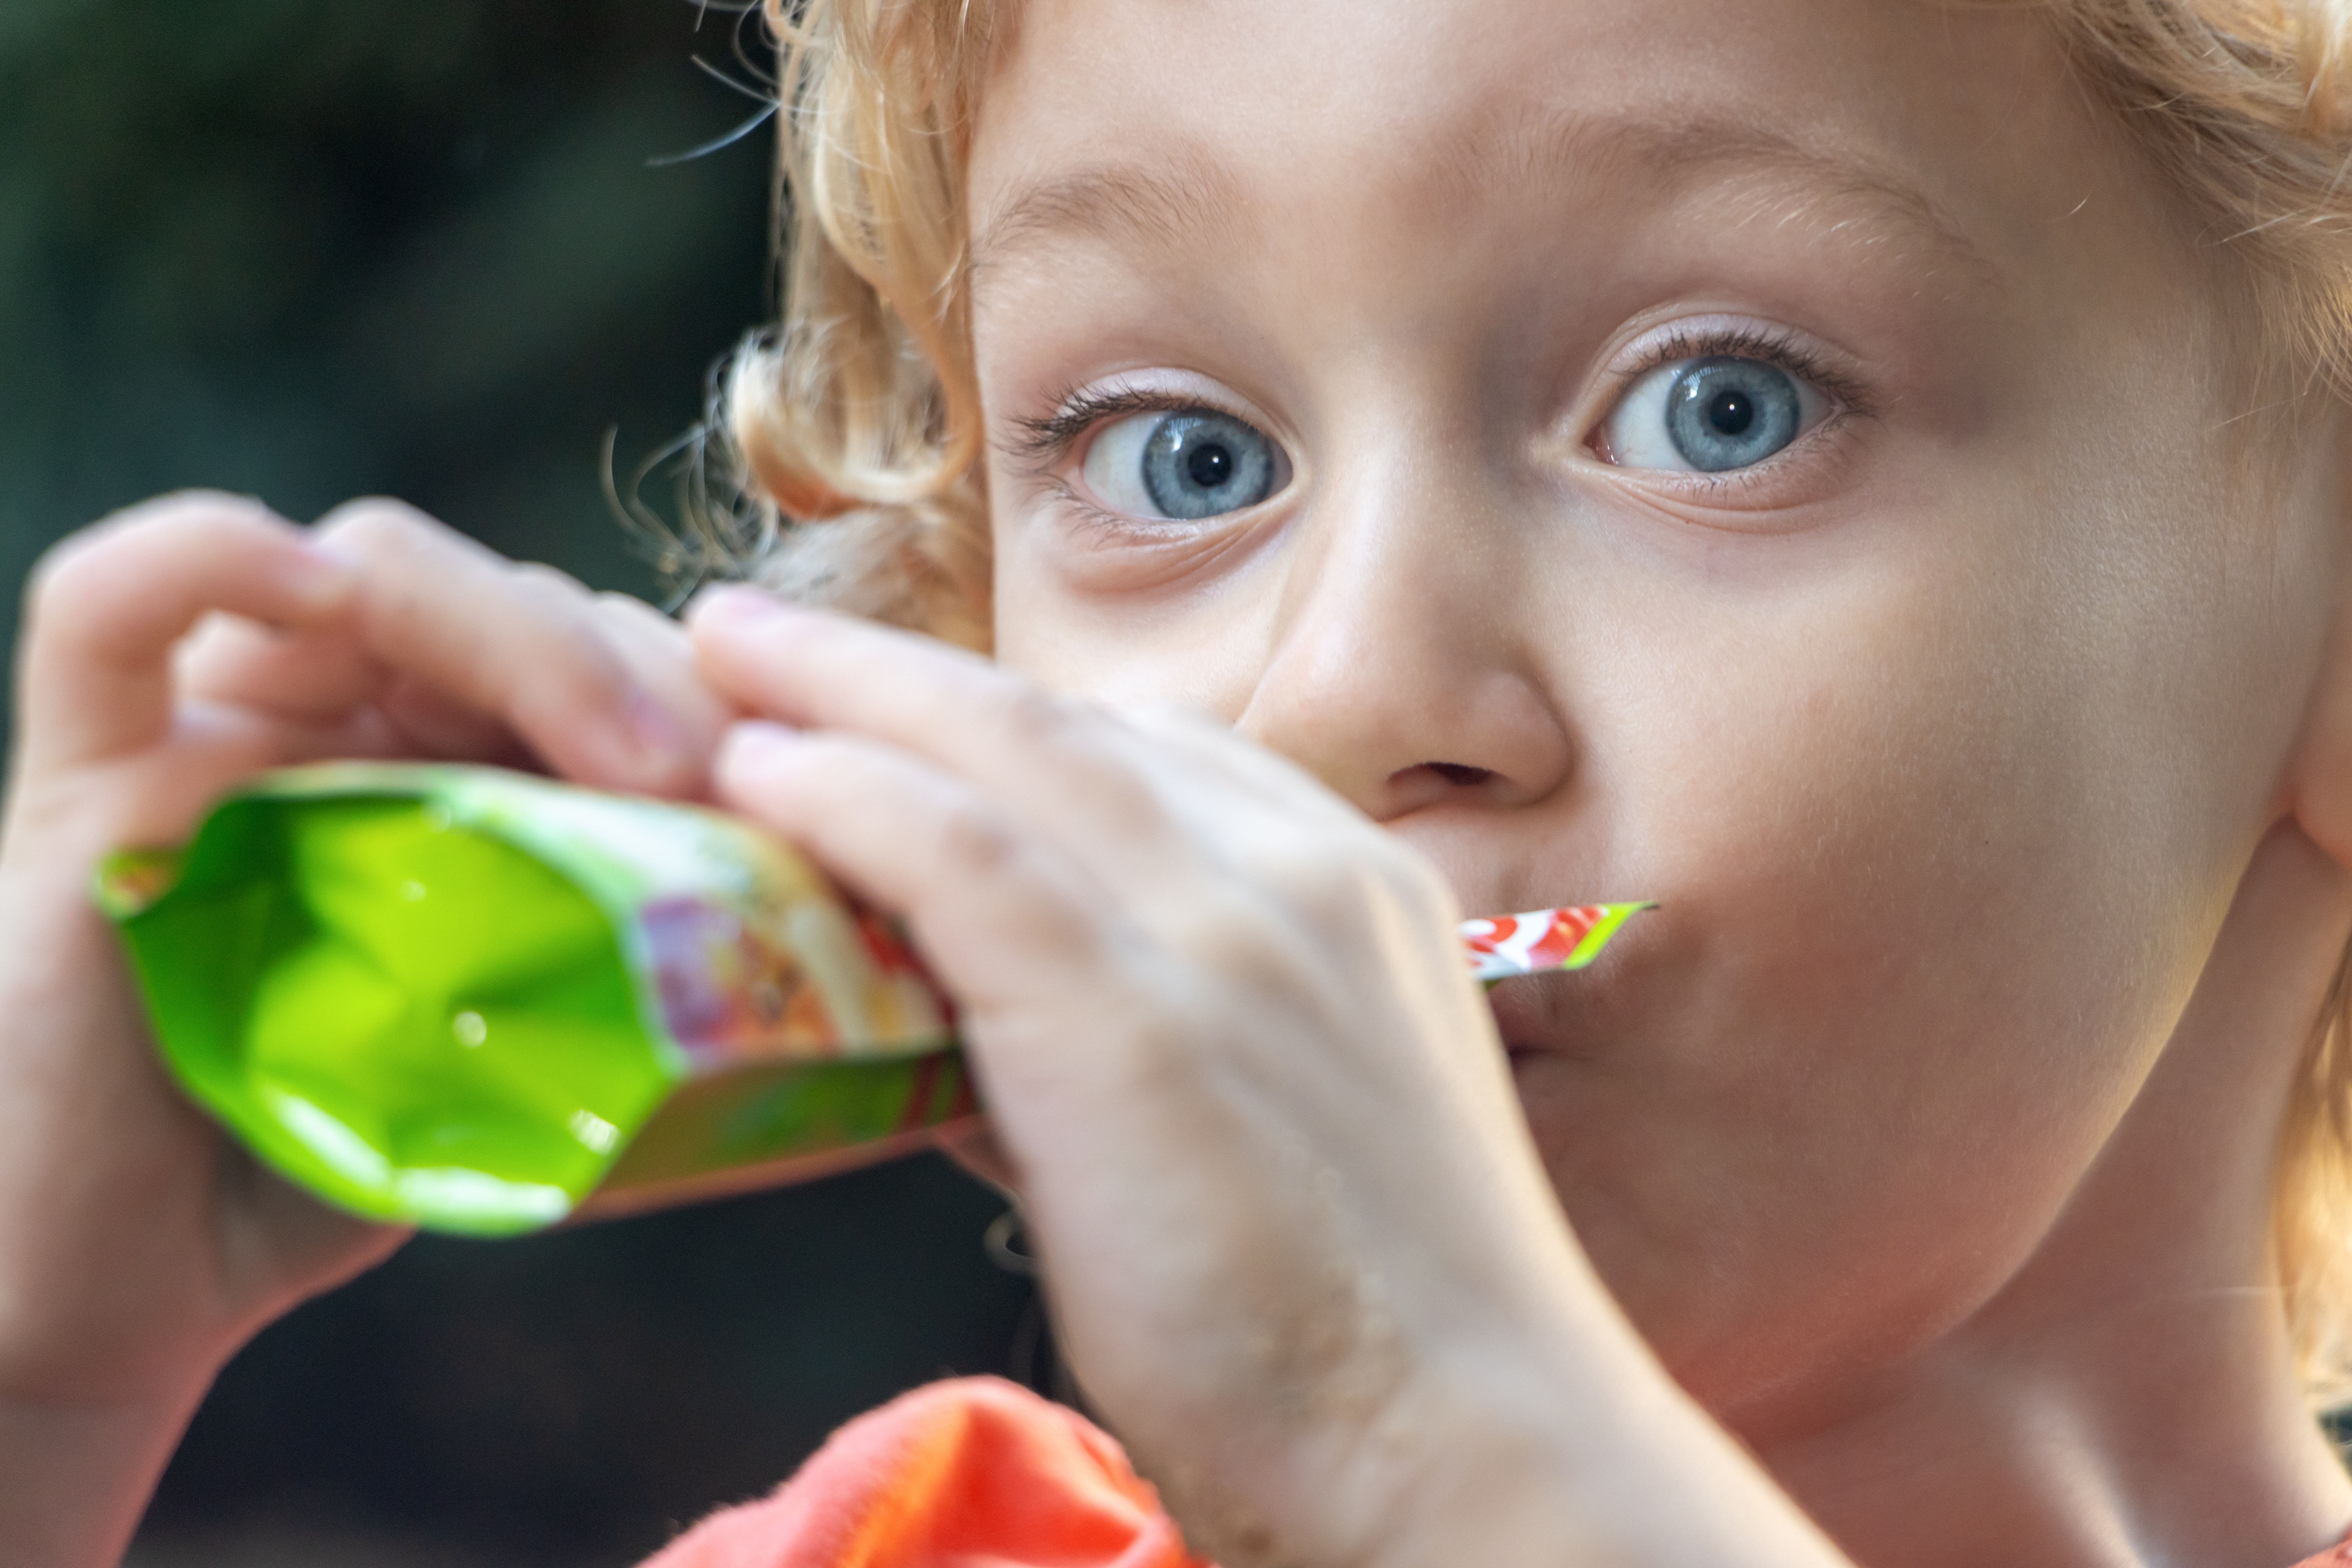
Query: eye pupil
x=1211 y=464
x=1731 y=413
x=1727 y=413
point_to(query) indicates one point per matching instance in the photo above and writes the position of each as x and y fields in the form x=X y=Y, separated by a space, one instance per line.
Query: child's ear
x=2322 y=790
x=2319 y=780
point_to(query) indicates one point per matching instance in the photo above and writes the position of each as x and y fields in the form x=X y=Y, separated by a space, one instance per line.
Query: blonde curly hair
x=854 y=426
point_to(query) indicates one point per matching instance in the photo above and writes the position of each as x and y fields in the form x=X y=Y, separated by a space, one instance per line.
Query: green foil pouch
x=478 y=1002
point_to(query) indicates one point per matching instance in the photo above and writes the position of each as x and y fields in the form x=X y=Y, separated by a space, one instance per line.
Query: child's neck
x=2028 y=1457
x=2130 y=1396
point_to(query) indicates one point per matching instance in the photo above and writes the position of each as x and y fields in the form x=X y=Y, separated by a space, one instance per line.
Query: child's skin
x=1989 y=750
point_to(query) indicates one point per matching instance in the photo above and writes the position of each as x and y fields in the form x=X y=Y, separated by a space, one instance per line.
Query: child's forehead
x=1140 y=114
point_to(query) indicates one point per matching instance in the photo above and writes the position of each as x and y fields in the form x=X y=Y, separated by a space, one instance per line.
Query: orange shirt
x=972 y=1473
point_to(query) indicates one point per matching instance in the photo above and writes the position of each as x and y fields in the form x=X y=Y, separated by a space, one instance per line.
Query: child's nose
x=1404 y=667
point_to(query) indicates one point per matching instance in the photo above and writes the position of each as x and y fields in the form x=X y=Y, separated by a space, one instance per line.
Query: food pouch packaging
x=1501 y=946
x=481 y=1001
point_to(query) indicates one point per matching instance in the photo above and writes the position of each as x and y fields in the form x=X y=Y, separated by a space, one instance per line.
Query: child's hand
x=168 y=654
x=1272 y=1157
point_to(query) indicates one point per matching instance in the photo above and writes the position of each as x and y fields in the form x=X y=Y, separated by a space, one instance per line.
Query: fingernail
x=734 y=604
x=656 y=731
x=757 y=744
x=321 y=576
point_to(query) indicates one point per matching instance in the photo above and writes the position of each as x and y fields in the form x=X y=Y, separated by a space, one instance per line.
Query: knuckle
x=179 y=511
x=90 y=566
x=562 y=609
x=632 y=623
x=582 y=649
x=974 y=841
x=1163 y=717
x=1401 y=875
x=1333 y=883
x=629 y=608
x=1420 y=882
x=1227 y=930
x=638 y=621
x=1161 y=1053
x=1044 y=721
x=64 y=576
x=1368 y=894
x=551 y=584
x=379 y=529
x=1094 y=749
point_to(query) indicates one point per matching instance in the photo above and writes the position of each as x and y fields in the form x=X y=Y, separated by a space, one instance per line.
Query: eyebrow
x=1190 y=195
x=1143 y=204
x=1551 y=145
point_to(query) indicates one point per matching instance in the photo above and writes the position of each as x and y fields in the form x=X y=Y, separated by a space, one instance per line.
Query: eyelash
x=1778 y=349
x=1040 y=445
x=1849 y=398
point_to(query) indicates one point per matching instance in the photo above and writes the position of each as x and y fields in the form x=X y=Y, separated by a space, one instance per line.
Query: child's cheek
x=1917 y=951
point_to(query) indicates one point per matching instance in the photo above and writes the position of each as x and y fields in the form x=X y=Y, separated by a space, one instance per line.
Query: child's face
x=1921 y=657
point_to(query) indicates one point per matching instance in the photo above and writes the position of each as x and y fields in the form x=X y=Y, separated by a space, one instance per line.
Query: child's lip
x=1572 y=1015
x=1536 y=1015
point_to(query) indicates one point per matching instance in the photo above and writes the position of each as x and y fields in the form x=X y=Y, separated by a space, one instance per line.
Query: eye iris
x=1730 y=413
x=1199 y=463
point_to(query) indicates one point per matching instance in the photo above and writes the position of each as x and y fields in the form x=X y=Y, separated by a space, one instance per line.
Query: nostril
x=1460 y=773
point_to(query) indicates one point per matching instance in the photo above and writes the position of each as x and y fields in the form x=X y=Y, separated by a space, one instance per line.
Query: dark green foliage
x=310 y=250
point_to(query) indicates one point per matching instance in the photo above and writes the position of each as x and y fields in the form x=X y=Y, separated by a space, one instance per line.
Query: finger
x=317 y=674
x=431 y=724
x=323 y=676
x=519 y=644
x=1063 y=763
x=1189 y=732
x=660 y=655
x=820 y=670
x=993 y=906
x=1252 y=782
x=106 y=608
x=638 y=628
x=155 y=797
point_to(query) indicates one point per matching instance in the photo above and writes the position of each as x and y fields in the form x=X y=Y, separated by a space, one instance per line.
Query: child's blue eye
x=1187 y=464
x=1709 y=416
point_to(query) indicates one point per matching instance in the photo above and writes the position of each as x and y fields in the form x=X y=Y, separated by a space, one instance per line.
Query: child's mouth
x=1533 y=1025
x=1536 y=953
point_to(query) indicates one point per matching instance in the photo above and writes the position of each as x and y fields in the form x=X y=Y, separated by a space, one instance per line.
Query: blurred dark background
x=439 y=249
